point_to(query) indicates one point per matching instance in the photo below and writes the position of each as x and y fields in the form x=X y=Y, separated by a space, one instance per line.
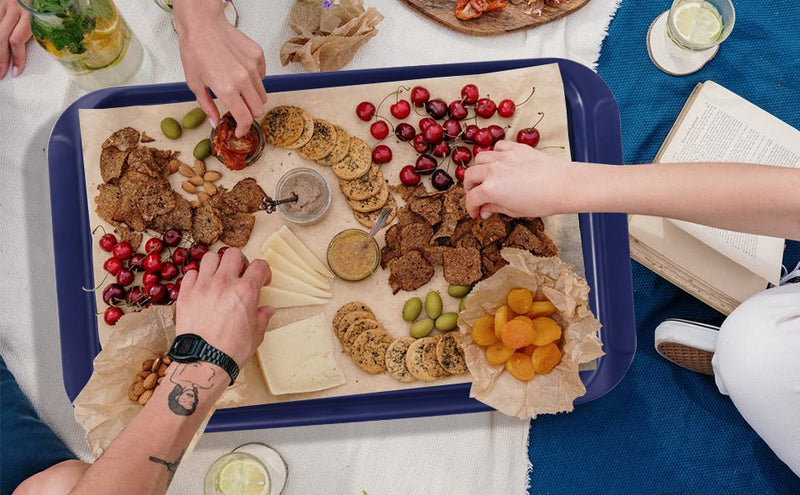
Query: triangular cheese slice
x=282 y=298
x=280 y=246
x=282 y=280
x=303 y=251
x=286 y=266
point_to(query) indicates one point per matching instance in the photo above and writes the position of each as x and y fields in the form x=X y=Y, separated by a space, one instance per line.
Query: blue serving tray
x=594 y=133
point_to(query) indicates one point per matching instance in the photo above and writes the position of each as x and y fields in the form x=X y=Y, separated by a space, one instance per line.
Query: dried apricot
x=528 y=350
x=546 y=329
x=517 y=333
x=520 y=300
x=502 y=315
x=483 y=331
x=520 y=367
x=497 y=353
x=541 y=308
x=545 y=358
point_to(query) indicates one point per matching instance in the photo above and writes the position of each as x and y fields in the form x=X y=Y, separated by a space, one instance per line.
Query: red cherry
x=425 y=122
x=178 y=281
x=457 y=110
x=151 y=278
x=180 y=256
x=112 y=265
x=461 y=155
x=197 y=251
x=409 y=176
x=436 y=108
x=381 y=154
x=114 y=293
x=434 y=134
x=405 y=132
x=441 y=180
x=419 y=144
x=419 y=95
x=155 y=292
x=152 y=263
x=112 y=315
x=401 y=109
x=506 y=108
x=529 y=136
x=134 y=295
x=452 y=128
x=469 y=133
x=469 y=94
x=485 y=108
x=365 y=110
x=135 y=263
x=173 y=293
x=169 y=271
x=191 y=265
x=379 y=129
x=125 y=277
x=122 y=250
x=154 y=245
x=478 y=149
x=441 y=150
x=107 y=242
x=425 y=164
x=460 y=171
x=172 y=237
x=483 y=138
x=497 y=132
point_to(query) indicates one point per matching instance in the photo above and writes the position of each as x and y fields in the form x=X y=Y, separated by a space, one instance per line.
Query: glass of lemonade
x=684 y=38
x=91 y=40
x=250 y=469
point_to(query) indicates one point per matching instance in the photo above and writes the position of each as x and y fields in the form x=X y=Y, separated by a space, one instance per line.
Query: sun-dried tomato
x=232 y=151
x=471 y=9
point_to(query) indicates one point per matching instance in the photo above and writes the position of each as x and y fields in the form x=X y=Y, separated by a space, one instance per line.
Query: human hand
x=15 y=31
x=516 y=180
x=218 y=57
x=219 y=302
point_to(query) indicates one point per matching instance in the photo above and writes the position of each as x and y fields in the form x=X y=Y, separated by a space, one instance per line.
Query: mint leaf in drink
x=100 y=8
x=65 y=29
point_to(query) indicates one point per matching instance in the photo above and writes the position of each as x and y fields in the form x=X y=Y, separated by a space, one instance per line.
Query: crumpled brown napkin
x=327 y=40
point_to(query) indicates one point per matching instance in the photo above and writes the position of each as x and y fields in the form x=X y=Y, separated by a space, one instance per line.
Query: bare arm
x=520 y=181
x=15 y=31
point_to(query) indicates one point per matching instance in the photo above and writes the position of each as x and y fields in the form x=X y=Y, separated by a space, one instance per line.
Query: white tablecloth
x=471 y=453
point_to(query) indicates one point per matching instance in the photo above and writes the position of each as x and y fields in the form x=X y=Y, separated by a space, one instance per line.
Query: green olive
x=202 y=150
x=411 y=309
x=446 y=322
x=171 y=128
x=433 y=304
x=458 y=290
x=462 y=304
x=421 y=328
x=193 y=118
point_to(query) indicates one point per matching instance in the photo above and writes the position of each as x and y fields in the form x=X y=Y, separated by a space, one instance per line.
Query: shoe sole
x=687 y=357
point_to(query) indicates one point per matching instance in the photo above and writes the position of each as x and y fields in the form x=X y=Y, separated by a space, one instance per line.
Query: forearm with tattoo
x=171 y=466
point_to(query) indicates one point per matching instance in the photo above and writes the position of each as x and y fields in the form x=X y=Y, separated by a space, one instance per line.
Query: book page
x=721 y=126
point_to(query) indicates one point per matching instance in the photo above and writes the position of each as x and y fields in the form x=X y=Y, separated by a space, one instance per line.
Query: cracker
x=414 y=360
x=112 y=163
x=122 y=139
x=461 y=266
x=322 y=141
x=346 y=308
x=409 y=272
x=450 y=355
x=371 y=204
x=340 y=150
x=357 y=162
x=285 y=125
x=369 y=350
x=346 y=320
x=355 y=329
x=305 y=137
x=368 y=219
x=429 y=360
x=396 y=360
x=207 y=226
x=366 y=186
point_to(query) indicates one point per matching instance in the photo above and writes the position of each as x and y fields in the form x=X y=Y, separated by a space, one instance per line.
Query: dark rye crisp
x=415 y=237
x=122 y=139
x=369 y=350
x=207 y=225
x=322 y=142
x=462 y=266
x=236 y=228
x=112 y=163
x=409 y=272
x=285 y=125
x=179 y=217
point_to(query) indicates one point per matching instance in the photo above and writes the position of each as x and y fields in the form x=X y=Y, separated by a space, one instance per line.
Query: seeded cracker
x=429 y=360
x=357 y=162
x=373 y=203
x=348 y=319
x=369 y=350
x=122 y=139
x=368 y=219
x=347 y=308
x=340 y=150
x=355 y=329
x=365 y=186
x=112 y=163
x=450 y=355
x=322 y=142
x=414 y=361
x=285 y=125
x=396 y=360
x=207 y=226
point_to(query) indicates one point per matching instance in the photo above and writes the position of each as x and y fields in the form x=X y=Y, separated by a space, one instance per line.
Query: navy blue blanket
x=664 y=429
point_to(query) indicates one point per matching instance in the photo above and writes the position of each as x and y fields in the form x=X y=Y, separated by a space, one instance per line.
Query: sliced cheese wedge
x=300 y=357
x=280 y=246
x=286 y=266
x=282 y=298
x=282 y=280
x=303 y=251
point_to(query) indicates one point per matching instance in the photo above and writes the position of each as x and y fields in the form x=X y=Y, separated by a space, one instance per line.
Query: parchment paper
x=337 y=105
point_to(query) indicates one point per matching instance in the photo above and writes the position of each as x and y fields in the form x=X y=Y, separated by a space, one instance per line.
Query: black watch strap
x=191 y=347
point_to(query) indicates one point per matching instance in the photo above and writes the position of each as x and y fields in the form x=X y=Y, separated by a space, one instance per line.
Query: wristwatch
x=190 y=347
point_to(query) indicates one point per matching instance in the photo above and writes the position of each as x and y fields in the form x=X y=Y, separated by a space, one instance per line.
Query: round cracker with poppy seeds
x=396 y=360
x=429 y=360
x=450 y=355
x=357 y=162
x=355 y=329
x=364 y=187
x=414 y=360
x=340 y=150
x=286 y=125
x=369 y=350
x=372 y=203
x=322 y=141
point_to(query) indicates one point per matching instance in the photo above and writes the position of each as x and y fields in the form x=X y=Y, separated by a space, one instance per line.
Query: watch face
x=184 y=347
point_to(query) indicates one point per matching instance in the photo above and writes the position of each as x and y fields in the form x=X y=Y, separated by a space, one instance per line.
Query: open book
x=721 y=268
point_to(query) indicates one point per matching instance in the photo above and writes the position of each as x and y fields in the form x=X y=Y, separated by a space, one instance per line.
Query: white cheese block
x=280 y=246
x=299 y=357
x=282 y=298
x=281 y=263
x=303 y=251
x=282 y=280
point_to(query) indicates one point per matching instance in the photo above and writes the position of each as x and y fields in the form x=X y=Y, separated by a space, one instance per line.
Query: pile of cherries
x=162 y=265
x=444 y=131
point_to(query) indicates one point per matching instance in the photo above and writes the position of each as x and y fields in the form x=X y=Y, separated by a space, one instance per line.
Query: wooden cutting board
x=508 y=19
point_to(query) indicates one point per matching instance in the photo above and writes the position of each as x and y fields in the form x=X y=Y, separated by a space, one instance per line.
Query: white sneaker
x=687 y=343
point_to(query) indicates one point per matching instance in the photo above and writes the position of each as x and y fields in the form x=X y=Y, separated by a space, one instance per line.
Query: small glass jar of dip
x=348 y=257
x=313 y=195
x=236 y=153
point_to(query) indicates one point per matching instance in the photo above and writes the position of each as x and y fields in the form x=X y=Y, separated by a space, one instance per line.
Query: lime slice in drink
x=699 y=23
x=243 y=475
x=106 y=52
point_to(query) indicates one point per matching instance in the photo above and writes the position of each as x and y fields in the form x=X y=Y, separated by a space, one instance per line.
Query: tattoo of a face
x=189 y=378
x=171 y=466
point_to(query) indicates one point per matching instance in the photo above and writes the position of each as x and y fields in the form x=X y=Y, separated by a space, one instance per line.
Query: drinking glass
x=252 y=469
x=684 y=38
x=91 y=40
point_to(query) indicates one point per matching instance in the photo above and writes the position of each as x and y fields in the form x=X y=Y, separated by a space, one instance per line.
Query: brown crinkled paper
x=103 y=407
x=569 y=293
x=327 y=40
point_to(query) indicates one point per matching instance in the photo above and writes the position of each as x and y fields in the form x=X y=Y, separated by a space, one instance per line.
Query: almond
x=138 y=389
x=194 y=204
x=147 y=364
x=200 y=167
x=166 y=360
x=150 y=381
x=142 y=374
x=162 y=370
x=160 y=379
x=196 y=180
x=203 y=197
x=210 y=188
x=189 y=187
x=132 y=393
x=156 y=364
x=212 y=175
x=185 y=170
x=145 y=397
x=173 y=166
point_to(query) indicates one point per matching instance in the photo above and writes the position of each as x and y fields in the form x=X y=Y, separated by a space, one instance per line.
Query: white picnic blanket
x=468 y=453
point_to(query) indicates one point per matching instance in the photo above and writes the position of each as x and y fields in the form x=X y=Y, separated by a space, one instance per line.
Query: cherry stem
x=400 y=89
x=548 y=147
x=541 y=117
x=84 y=289
x=526 y=99
x=99 y=227
x=395 y=93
